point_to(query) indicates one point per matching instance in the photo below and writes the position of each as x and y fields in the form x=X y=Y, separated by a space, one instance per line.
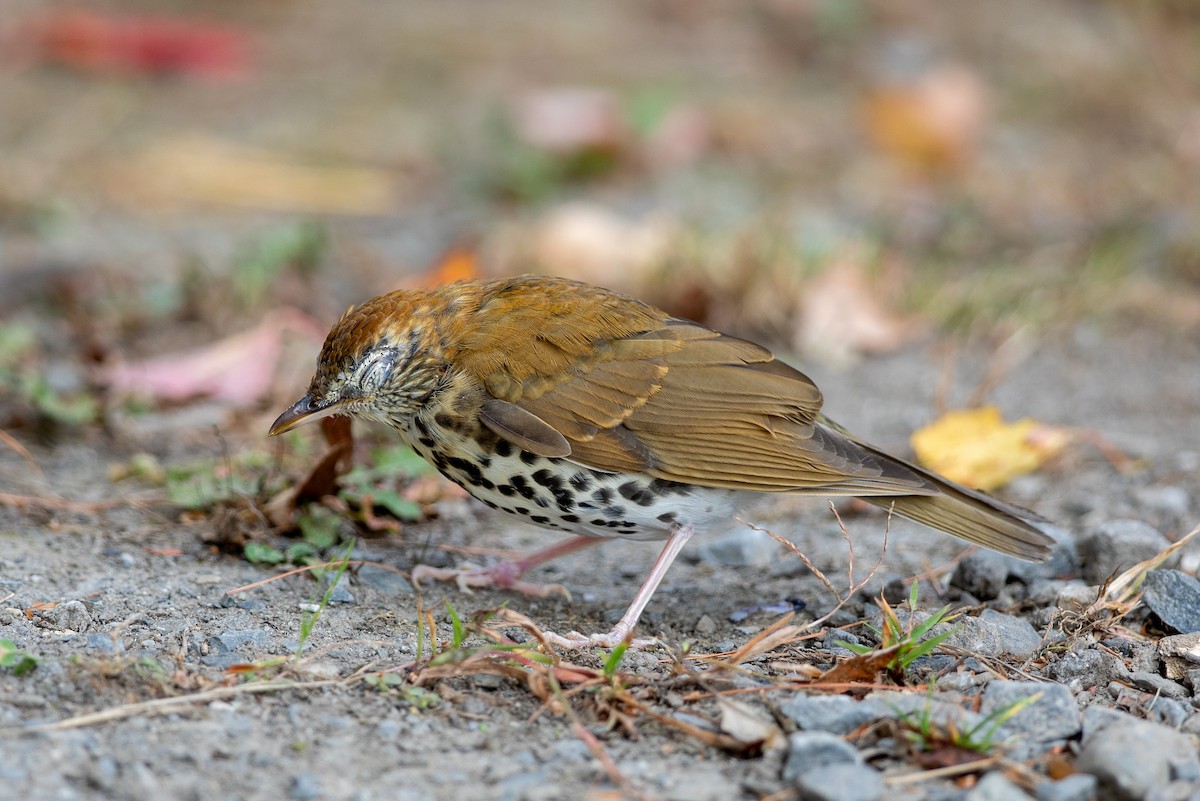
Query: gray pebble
x=996 y=634
x=1167 y=711
x=1086 y=668
x=1131 y=759
x=388 y=582
x=227 y=641
x=994 y=787
x=1154 y=683
x=305 y=787
x=1115 y=545
x=1175 y=791
x=1172 y=500
x=846 y=781
x=341 y=591
x=103 y=643
x=1179 y=653
x=742 y=547
x=1175 y=597
x=808 y=750
x=67 y=616
x=1076 y=787
x=836 y=714
x=1054 y=716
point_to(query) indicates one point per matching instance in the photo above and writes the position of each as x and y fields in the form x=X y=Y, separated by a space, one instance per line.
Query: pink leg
x=507 y=574
x=624 y=627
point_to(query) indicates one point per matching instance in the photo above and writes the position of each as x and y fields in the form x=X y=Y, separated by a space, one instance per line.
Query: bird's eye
x=376 y=368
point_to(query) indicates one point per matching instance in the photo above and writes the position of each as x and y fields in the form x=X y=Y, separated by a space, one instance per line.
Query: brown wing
x=632 y=389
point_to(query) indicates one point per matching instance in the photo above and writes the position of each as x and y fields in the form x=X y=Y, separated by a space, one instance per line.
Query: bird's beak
x=301 y=412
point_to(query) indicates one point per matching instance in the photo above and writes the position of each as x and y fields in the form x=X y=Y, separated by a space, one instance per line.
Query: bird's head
x=380 y=362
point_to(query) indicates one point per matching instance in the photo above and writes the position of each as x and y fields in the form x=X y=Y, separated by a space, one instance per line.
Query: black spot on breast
x=426 y=441
x=580 y=482
x=636 y=493
x=599 y=522
x=667 y=517
x=529 y=458
x=603 y=495
x=613 y=511
x=523 y=488
x=540 y=519
x=444 y=420
x=503 y=448
x=627 y=532
x=586 y=505
x=661 y=486
x=540 y=501
x=424 y=429
x=570 y=518
x=507 y=490
x=521 y=510
x=472 y=472
x=489 y=503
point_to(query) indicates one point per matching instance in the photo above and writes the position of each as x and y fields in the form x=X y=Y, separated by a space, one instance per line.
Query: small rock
x=1175 y=597
x=1054 y=716
x=1154 y=683
x=1076 y=787
x=386 y=581
x=847 y=781
x=812 y=749
x=983 y=574
x=836 y=714
x=103 y=643
x=66 y=616
x=994 y=787
x=996 y=634
x=1116 y=545
x=305 y=787
x=227 y=641
x=1175 y=791
x=1172 y=500
x=1130 y=760
x=943 y=714
x=1167 y=711
x=340 y=593
x=1075 y=595
x=1098 y=718
x=1180 y=653
x=742 y=547
x=1089 y=667
x=705 y=626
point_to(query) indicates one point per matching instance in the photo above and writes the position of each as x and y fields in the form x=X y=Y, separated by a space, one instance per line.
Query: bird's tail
x=969 y=514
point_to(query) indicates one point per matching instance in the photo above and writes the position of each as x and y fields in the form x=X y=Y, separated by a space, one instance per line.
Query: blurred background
x=837 y=177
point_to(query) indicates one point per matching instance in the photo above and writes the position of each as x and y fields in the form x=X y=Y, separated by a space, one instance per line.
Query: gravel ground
x=143 y=613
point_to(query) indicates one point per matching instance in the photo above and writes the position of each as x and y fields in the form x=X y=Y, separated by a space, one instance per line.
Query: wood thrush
x=584 y=410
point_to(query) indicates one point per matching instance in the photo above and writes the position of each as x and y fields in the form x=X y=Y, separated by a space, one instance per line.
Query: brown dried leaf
x=860 y=668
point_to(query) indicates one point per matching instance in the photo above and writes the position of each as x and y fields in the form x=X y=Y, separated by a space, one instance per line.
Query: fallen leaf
x=197 y=169
x=89 y=41
x=977 y=448
x=749 y=725
x=842 y=315
x=860 y=668
x=930 y=122
x=569 y=120
x=590 y=243
x=457 y=264
x=239 y=369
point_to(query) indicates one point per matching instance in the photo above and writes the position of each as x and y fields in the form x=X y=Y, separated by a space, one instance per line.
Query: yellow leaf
x=977 y=448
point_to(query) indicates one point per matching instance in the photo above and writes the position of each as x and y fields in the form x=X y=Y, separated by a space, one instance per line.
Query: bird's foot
x=505 y=575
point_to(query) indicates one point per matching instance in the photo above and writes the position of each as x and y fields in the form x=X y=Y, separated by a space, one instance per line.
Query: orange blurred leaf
x=931 y=122
x=977 y=448
x=457 y=264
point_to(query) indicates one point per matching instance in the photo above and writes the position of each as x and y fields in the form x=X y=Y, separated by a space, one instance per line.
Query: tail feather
x=970 y=515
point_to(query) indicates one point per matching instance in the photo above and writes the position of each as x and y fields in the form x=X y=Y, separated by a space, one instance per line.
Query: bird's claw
x=573 y=640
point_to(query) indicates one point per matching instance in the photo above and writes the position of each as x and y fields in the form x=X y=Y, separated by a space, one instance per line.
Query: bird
x=583 y=410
